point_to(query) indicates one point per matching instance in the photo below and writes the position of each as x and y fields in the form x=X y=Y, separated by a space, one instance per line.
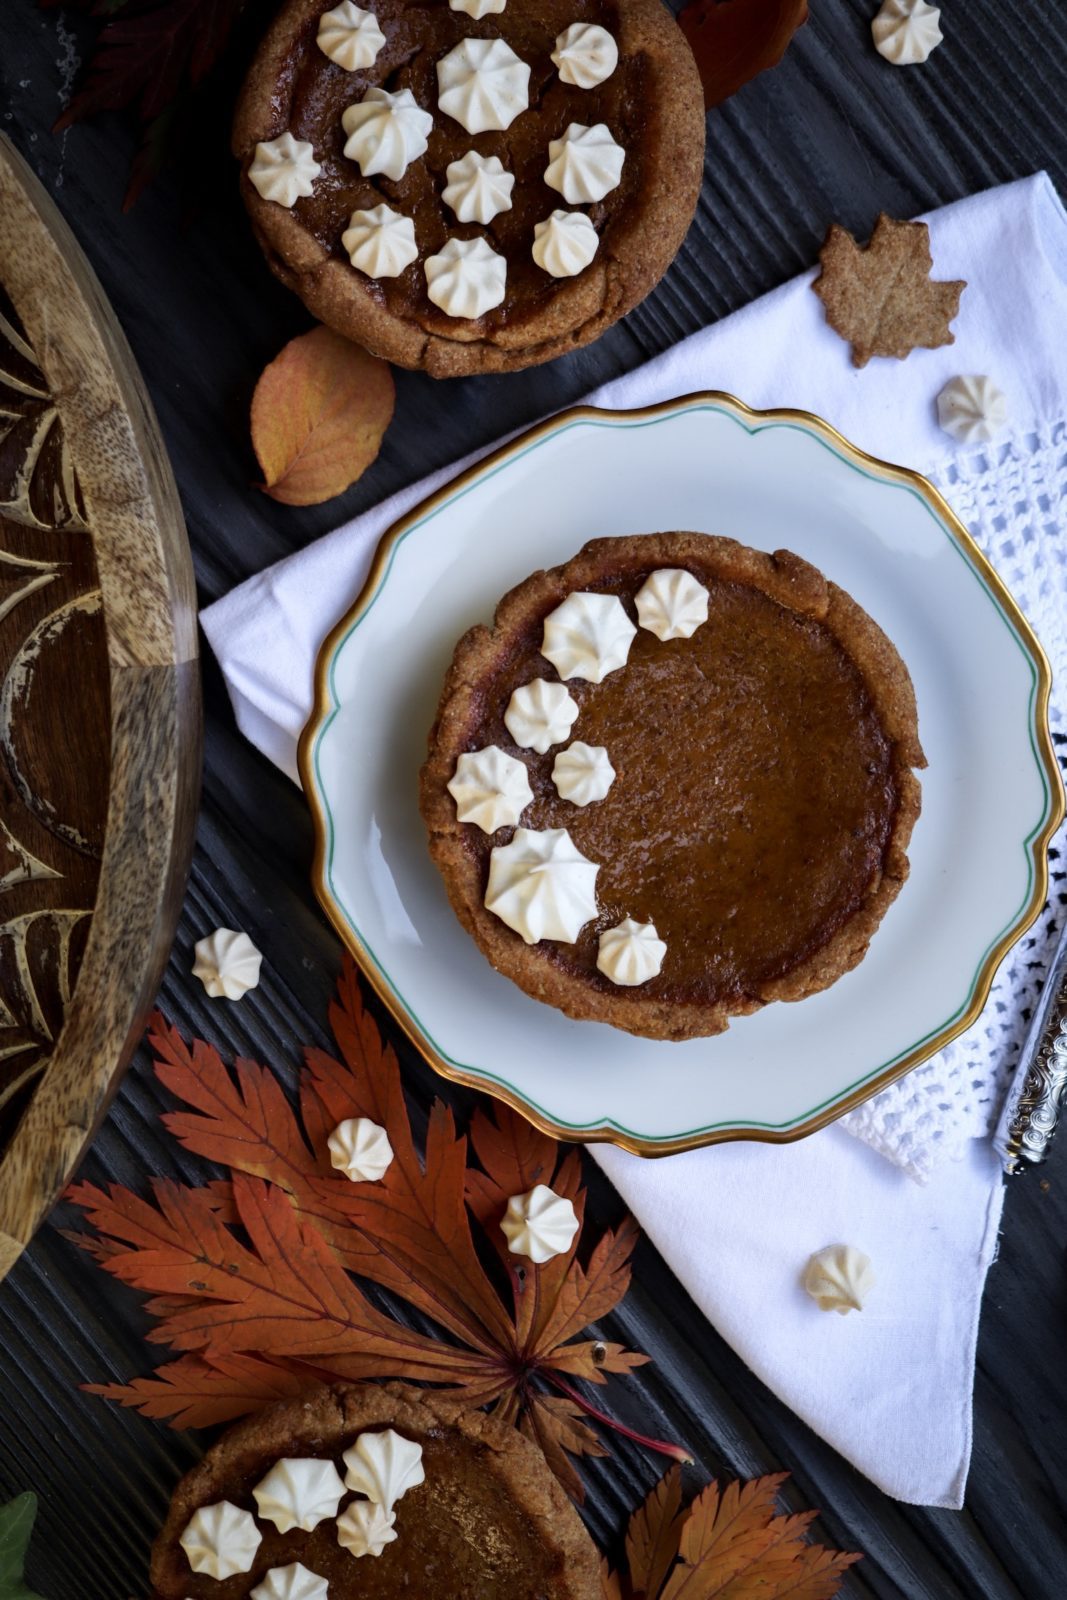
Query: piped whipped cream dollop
x=284 y=169
x=972 y=409
x=541 y=885
x=540 y=714
x=380 y=242
x=672 y=604
x=365 y=1528
x=478 y=8
x=477 y=188
x=466 y=278
x=386 y=132
x=585 y=164
x=630 y=953
x=299 y=1492
x=483 y=85
x=585 y=55
x=221 y=1540
x=227 y=963
x=839 y=1278
x=565 y=243
x=540 y=1224
x=350 y=36
x=583 y=773
x=490 y=788
x=360 y=1149
x=588 y=636
x=906 y=32
x=384 y=1466
x=294 y=1582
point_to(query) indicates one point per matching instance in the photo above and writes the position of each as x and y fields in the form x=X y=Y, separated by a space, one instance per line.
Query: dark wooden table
x=833 y=133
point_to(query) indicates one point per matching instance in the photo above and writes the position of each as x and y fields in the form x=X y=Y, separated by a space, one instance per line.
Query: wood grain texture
x=834 y=133
x=99 y=712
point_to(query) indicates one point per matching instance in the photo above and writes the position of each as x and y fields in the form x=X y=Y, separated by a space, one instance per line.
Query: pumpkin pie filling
x=753 y=800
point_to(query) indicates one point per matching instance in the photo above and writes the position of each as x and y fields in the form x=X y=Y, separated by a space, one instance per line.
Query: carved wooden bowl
x=99 y=704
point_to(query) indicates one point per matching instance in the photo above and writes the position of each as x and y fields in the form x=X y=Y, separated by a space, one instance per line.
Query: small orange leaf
x=318 y=416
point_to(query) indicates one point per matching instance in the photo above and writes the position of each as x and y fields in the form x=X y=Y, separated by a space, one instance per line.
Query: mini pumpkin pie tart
x=471 y=185
x=673 y=782
x=373 y=1491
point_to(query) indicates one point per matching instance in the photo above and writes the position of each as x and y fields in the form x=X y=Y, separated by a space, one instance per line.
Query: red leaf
x=733 y=40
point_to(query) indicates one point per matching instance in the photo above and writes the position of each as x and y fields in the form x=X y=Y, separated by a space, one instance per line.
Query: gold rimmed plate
x=991 y=794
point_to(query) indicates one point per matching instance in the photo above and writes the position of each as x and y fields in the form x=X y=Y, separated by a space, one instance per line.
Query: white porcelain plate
x=991 y=796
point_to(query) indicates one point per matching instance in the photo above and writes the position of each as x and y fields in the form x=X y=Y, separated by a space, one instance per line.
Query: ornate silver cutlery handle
x=1028 y=1121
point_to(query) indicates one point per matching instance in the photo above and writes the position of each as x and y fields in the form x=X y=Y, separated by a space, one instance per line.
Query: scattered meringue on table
x=227 y=963
x=839 y=1278
x=361 y=1150
x=540 y=1224
x=906 y=32
x=972 y=409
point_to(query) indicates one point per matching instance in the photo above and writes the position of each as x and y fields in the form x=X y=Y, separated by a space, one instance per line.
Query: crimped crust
x=642 y=243
x=483 y=652
x=325 y=1423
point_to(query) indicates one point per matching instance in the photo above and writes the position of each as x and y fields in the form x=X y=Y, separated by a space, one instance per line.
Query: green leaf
x=16 y=1525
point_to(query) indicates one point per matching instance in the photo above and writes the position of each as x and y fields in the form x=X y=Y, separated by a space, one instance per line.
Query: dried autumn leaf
x=733 y=40
x=881 y=298
x=261 y=1312
x=319 y=414
x=727 y=1545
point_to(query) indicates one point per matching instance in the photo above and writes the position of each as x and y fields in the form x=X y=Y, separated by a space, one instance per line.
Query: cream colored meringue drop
x=588 y=636
x=565 y=243
x=542 y=886
x=299 y=1493
x=585 y=165
x=490 y=788
x=672 y=604
x=839 y=1278
x=361 y=1150
x=478 y=8
x=466 y=278
x=630 y=953
x=972 y=409
x=366 y=1528
x=294 y=1582
x=227 y=963
x=583 y=773
x=350 y=36
x=477 y=188
x=384 y=1466
x=906 y=32
x=221 y=1540
x=585 y=55
x=284 y=169
x=483 y=85
x=540 y=714
x=540 y=1224
x=386 y=132
x=380 y=242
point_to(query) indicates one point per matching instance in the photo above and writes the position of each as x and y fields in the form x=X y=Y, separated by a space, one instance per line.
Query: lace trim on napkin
x=1013 y=498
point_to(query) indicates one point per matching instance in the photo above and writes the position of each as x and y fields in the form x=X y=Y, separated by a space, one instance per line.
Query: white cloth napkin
x=890 y=1388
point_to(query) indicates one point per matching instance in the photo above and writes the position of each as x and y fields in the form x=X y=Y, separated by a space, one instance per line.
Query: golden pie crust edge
x=327 y=1420
x=785 y=578
x=645 y=242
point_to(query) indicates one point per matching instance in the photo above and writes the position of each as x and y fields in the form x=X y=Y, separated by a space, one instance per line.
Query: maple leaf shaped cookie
x=881 y=298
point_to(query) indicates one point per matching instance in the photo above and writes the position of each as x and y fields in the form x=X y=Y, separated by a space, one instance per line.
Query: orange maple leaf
x=728 y=1544
x=254 y=1278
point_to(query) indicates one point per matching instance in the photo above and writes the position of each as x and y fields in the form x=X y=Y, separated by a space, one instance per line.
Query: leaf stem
x=676 y=1452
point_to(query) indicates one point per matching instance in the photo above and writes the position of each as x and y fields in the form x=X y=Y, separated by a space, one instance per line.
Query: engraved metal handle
x=1039 y=1090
